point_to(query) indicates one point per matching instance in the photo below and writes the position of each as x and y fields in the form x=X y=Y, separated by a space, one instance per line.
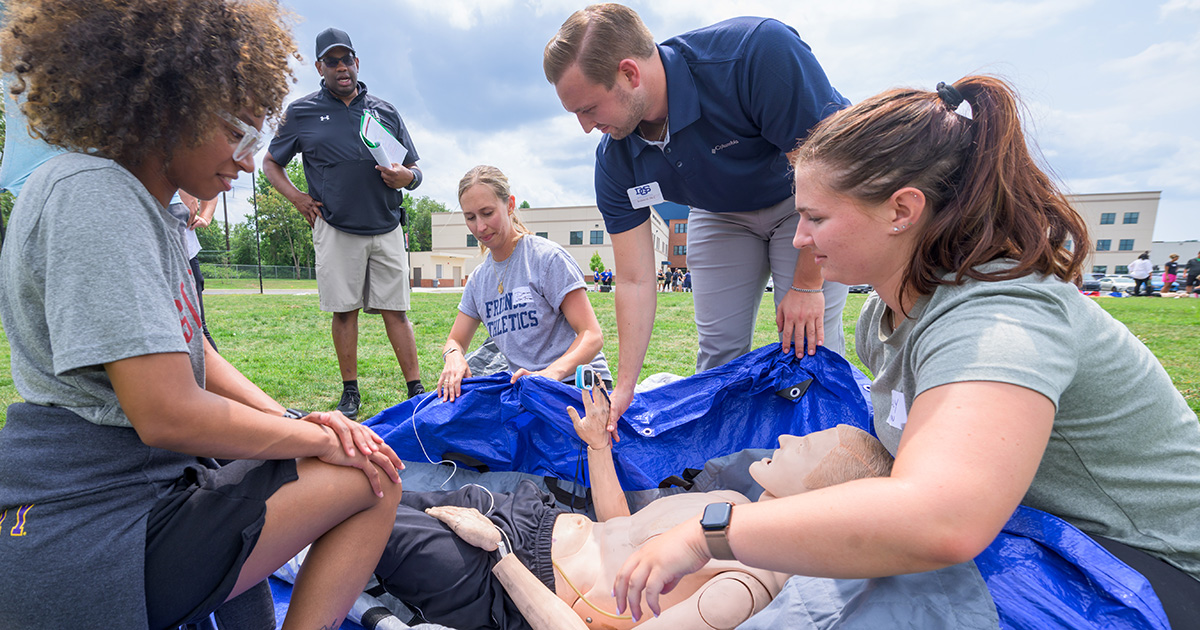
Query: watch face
x=716 y=516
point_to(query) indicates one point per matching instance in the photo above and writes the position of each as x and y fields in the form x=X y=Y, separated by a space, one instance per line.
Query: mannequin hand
x=469 y=524
x=593 y=426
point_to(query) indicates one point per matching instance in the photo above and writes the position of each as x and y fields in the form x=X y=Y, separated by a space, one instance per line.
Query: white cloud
x=1173 y=6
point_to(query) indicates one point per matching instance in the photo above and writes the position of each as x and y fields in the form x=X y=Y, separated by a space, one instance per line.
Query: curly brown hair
x=127 y=78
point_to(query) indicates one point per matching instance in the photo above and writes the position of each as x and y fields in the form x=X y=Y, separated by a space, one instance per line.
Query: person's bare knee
x=400 y=317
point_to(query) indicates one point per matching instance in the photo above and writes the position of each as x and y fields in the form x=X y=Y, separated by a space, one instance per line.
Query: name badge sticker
x=898 y=417
x=645 y=195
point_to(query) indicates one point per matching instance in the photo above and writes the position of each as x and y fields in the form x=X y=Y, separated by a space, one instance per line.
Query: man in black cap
x=354 y=207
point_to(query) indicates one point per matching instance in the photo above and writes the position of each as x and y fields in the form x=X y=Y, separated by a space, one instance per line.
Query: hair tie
x=950 y=95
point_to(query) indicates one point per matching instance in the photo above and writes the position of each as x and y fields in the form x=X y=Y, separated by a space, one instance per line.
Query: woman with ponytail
x=529 y=294
x=996 y=382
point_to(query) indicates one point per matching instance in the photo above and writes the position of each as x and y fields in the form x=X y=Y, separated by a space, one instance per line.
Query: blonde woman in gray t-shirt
x=529 y=294
x=996 y=383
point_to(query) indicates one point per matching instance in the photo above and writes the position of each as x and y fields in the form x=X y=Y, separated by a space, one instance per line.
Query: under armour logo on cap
x=325 y=118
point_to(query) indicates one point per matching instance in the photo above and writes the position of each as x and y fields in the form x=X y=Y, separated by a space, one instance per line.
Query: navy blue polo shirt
x=740 y=95
x=340 y=170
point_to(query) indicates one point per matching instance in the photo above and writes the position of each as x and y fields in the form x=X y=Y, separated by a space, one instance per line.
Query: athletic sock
x=415 y=388
x=350 y=385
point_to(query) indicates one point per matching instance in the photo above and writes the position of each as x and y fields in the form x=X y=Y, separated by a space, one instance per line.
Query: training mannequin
x=585 y=555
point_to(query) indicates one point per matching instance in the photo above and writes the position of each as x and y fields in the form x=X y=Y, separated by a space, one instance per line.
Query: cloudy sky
x=1111 y=87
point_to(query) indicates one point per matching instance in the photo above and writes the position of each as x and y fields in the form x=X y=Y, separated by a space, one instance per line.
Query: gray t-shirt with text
x=526 y=320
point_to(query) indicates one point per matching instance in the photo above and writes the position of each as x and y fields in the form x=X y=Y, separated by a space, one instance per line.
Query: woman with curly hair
x=996 y=383
x=112 y=507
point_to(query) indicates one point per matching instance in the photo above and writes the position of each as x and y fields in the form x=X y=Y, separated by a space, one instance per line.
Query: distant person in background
x=1170 y=272
x=529 y=294
x=1140 y=270
x=1193 y=273
x=354 y=208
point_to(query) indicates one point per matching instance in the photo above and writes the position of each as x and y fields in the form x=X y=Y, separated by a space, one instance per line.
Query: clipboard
x=384 y=147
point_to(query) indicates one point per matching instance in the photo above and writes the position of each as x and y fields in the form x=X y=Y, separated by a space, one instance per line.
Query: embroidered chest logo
x=324 y=118
x=724 y=146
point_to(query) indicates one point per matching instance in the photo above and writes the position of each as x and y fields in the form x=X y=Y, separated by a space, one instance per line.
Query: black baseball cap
x=332 y=38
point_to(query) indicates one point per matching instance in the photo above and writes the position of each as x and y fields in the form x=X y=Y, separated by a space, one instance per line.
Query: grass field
x=282 y=342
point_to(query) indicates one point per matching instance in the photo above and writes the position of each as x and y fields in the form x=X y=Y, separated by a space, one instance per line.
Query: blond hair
x=496 y=180
x=858 y=455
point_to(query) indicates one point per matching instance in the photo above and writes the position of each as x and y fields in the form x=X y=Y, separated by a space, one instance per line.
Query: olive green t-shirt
x=1123 y=460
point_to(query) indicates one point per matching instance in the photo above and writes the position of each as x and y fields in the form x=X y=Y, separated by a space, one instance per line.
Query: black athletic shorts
x=447 y=581
x=199 y=535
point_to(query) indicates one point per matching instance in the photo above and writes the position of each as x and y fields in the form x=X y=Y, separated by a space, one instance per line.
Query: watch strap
x=718 y=544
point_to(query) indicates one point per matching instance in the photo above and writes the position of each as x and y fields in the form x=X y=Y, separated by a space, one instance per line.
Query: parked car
x=860 y=288
x=770 y=283
x=1116 y=283
x=1091 y=282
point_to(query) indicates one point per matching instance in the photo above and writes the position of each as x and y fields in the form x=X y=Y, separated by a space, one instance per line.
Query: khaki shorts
x=360 y=271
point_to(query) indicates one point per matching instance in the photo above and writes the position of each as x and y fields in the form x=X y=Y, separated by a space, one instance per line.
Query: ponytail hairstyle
x=495 y=179
x=986 y=195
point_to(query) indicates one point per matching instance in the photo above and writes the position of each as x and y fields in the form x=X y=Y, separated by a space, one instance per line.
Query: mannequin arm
x=540 y=607
x=592 y=428
x=725 y=601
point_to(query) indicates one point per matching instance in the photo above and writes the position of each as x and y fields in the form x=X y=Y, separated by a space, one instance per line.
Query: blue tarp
x=525 y=427
x=1041 y=572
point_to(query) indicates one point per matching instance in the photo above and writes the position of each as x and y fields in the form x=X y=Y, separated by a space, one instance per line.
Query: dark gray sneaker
x=349 y=403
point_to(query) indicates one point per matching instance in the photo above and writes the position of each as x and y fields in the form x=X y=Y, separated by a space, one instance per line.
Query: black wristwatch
x=715 y=523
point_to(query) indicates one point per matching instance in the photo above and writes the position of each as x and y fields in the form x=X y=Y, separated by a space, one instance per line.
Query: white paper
x=898 y=415
x=384 y=147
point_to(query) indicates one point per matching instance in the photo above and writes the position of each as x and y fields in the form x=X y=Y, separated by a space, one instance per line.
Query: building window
x=1130 y=218
x=472 y=241
x=1121 y=269
x=545 y=235
x=1103 y=245
x=439 y=272
x=1126 y=245
x=577 y=238
x=681 y=228
x=597 y=237
x=1100 y=269
x=681 y=250
x=1108 y=218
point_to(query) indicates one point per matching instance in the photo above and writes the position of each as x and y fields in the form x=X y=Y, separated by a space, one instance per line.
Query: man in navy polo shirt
x=704 y=119
x=354 y=207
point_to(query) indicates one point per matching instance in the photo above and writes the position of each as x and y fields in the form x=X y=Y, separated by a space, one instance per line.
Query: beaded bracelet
x=799 y=290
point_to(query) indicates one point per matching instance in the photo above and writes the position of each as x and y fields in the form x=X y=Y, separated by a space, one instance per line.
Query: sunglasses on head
x=333 y=62
x=252 y=139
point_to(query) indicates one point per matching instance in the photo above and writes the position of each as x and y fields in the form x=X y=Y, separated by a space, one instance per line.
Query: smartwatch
x=715 y=523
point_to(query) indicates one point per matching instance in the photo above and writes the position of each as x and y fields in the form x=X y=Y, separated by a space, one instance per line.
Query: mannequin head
x=820 y=459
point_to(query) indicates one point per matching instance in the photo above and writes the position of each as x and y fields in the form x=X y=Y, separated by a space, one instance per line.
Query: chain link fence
x=275 y=272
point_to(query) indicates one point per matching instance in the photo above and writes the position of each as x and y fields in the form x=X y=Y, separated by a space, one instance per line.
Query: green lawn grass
x=282 y=343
